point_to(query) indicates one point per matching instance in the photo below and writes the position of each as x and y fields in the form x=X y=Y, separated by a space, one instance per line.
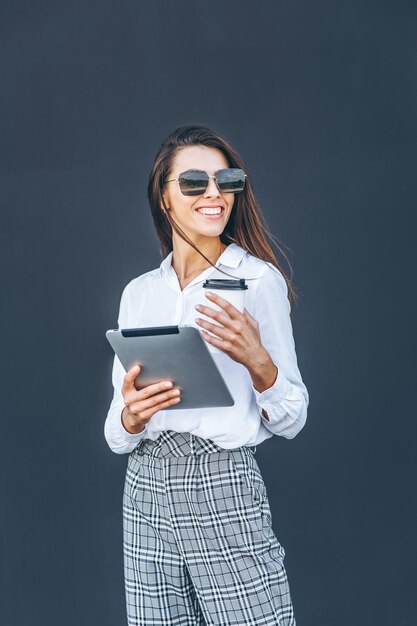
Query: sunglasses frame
x=208 y=176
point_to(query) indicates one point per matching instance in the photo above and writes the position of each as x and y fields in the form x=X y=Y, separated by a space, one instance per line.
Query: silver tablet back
x=176 y=353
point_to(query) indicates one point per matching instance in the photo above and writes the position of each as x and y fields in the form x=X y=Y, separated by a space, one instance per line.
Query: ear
x=164 y=205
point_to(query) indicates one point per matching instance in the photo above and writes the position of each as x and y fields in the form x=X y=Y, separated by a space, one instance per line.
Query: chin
x=212 y=232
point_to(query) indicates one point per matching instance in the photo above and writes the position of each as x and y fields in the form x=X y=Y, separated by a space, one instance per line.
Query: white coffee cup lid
x=224 y=283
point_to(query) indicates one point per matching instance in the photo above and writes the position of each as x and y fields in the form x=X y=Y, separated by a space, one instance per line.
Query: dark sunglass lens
x=193 y=182
x=231 y=179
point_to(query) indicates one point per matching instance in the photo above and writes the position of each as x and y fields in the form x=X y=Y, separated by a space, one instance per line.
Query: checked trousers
x=198 y=543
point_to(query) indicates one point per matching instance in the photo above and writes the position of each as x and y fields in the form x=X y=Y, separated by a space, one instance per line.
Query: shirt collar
x=231 y=257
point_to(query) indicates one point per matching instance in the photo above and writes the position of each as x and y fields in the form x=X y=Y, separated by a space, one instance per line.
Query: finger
x=224 y=333
x=151 y=390
x=128 y=381
x=224 y=304
x=148 y=413
x=143 y=405
x=226 y=320
x=217 y=343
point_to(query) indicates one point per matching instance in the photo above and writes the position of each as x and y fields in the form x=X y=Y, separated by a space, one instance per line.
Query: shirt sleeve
x=119 y=440
x=287 y=400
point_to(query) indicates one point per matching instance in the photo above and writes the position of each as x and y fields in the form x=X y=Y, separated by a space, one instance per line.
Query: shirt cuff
x=131 y=437
x=269 y=398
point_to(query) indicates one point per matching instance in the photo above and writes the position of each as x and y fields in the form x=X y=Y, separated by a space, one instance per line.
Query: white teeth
x=207 y=211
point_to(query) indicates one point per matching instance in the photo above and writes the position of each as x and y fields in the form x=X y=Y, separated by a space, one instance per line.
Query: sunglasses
x=195 y=182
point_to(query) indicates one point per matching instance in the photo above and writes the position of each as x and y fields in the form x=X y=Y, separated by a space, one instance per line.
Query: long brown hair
x=245 y=226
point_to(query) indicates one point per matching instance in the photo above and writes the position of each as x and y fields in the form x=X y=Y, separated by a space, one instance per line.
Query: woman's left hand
x=239 y=335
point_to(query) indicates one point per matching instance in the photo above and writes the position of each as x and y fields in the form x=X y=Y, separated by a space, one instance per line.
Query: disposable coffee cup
x=231 y=290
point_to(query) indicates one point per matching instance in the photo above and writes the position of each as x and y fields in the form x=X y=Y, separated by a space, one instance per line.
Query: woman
x=198 y=541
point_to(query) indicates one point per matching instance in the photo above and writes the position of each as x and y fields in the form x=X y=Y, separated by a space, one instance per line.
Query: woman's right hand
x=141 y=405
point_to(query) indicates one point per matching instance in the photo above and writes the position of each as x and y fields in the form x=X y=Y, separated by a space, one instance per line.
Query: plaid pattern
x=199 y=548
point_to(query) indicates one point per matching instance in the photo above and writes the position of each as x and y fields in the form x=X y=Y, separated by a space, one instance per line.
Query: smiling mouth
x=214 y=212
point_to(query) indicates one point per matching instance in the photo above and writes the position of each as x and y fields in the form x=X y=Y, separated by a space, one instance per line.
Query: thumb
x=130 y=377
x=249 y=317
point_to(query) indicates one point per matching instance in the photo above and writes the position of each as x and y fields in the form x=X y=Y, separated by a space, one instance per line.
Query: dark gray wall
x=319 y=98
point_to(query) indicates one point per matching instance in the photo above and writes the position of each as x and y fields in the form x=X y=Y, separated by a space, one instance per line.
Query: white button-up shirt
x=156 y=299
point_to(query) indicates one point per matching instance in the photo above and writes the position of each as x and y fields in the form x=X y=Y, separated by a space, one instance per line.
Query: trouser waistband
x=172 y=443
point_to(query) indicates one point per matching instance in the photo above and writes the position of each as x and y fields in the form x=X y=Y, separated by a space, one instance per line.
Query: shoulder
x=266 y=275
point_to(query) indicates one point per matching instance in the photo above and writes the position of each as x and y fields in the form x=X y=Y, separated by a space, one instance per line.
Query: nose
x=212 y=189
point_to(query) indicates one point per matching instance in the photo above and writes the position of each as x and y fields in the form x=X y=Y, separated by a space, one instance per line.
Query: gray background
x=319 y=98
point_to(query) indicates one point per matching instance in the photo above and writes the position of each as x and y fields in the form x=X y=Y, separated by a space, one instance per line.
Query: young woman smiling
x=199 y=547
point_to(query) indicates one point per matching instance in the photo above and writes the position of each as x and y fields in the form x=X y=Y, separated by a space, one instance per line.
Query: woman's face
x=184 y=208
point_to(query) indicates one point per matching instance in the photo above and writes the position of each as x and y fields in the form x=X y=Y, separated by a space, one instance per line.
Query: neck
x=187 y=262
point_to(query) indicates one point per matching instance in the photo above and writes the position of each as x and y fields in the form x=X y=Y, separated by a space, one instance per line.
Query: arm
x=118 y=438
x=279 y=390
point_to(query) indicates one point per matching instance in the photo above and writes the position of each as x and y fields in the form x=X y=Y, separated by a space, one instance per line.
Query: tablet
x=177 y=353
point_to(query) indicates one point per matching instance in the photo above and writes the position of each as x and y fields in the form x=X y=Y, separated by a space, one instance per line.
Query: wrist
x=129 y=425
x=264 y=373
